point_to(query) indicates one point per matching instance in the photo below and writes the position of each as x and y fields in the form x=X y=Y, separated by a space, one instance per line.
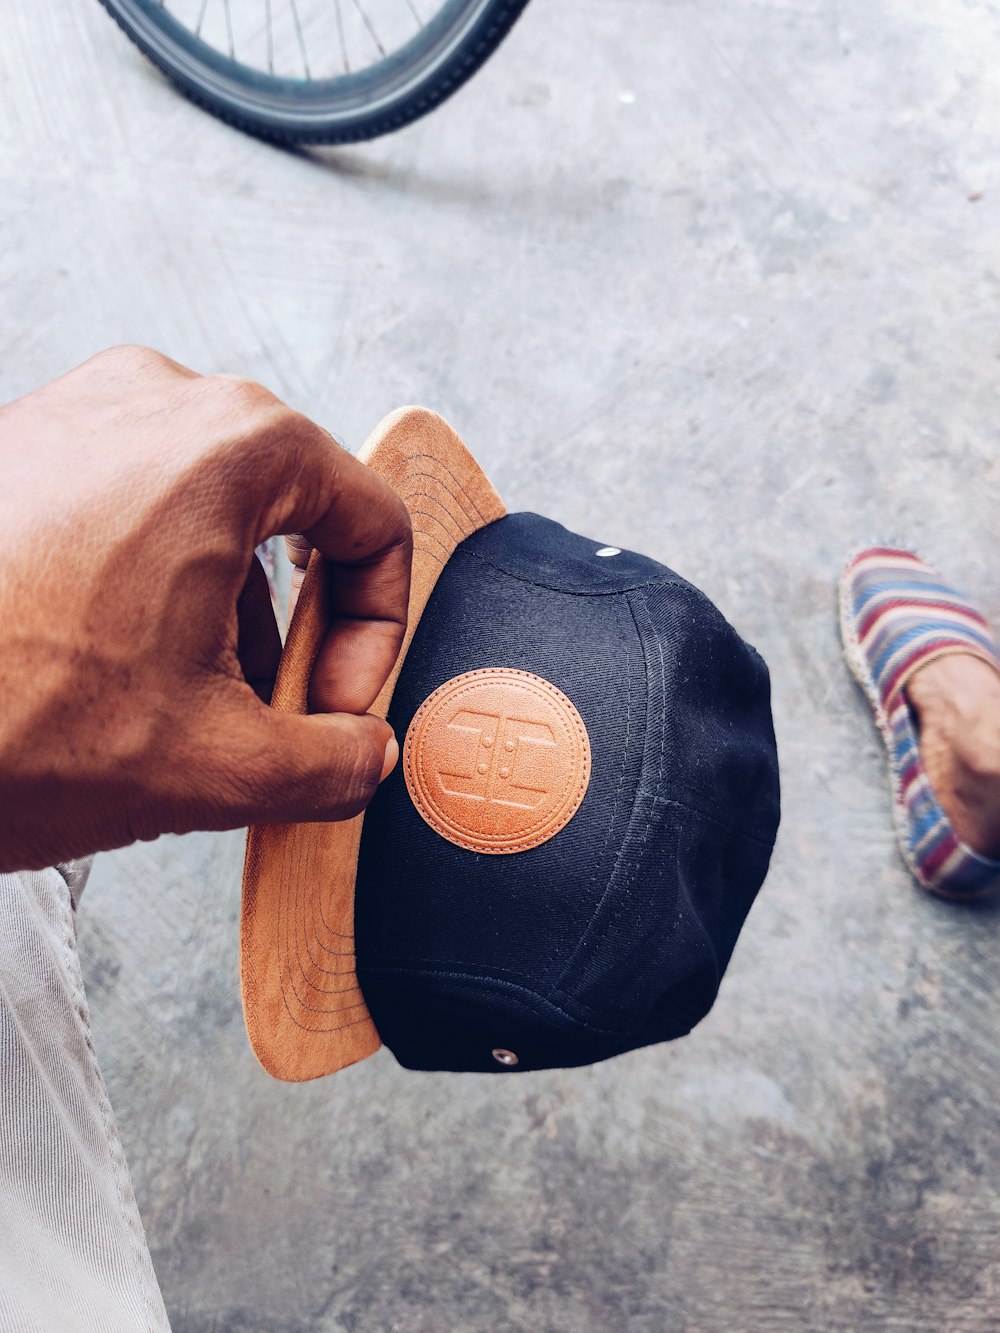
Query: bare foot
x=957 y=702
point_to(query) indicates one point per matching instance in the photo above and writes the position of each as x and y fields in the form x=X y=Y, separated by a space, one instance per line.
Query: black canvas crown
x=614 y=931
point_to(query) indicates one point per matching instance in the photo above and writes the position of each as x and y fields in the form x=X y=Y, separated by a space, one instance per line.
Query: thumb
x=283 y=768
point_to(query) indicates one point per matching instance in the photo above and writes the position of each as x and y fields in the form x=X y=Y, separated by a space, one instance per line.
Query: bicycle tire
x=346 y=109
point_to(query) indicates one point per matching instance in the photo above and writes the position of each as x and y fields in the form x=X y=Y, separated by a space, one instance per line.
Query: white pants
x=73 y=1255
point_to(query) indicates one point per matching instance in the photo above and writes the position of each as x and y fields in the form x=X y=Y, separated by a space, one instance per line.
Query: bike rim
x=377 y=87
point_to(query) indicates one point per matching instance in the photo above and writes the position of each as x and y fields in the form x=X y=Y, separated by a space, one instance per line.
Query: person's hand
x=137 y=641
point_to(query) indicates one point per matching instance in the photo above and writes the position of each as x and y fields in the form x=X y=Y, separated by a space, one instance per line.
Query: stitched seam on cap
x=557 y=985
x=719 y=823
x=677 y=582
x=488 y=982
x=614 y=811
x=434 y=476
x=404 y=963
x=616 y=907
x=659 y=762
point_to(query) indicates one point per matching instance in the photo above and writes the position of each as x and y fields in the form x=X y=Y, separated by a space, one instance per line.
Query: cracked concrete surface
x=718 y=282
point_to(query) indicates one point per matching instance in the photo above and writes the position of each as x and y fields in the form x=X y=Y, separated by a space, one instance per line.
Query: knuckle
x=318 y=446
x=246 y=394
x=252 y=415
x=313 y=449
x=129 y=359
x=358 y=777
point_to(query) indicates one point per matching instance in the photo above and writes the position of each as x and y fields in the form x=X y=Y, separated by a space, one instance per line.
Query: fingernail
x=391 y=755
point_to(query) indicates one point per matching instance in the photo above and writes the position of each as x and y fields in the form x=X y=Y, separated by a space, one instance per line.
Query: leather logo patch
x=497 y=760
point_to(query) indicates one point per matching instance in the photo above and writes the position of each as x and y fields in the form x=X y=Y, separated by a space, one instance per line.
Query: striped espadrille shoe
x=897 y=614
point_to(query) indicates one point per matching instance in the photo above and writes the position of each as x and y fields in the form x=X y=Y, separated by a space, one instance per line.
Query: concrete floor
x=717 y=281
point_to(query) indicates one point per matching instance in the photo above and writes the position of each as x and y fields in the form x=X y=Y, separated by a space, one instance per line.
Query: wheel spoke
x=229 y=30
x=301 y=39
x=368 y=24
x=278 y=37
x=343 y=39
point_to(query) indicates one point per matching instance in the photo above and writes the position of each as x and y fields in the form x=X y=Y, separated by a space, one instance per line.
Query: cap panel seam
x=402 y=963
x=616 y=899
x=719 y=823
x=619 y=591
x=486 y=983
x=626 y=840
x=617 y=802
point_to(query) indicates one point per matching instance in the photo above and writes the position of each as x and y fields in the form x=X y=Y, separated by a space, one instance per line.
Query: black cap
x=612 y=930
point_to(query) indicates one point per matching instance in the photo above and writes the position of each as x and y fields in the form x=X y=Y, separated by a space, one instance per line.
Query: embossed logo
x=497 y=760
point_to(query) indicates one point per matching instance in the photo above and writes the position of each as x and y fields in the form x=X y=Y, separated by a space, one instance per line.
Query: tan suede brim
x=304 y=1011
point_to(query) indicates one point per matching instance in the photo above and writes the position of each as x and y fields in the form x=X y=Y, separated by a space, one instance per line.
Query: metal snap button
x=503 y=1057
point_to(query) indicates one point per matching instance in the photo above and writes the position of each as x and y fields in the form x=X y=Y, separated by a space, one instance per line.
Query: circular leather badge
x=497 y=760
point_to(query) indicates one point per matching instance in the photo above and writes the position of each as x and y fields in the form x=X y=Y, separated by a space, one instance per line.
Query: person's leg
x=957 y=702
x=73 y=1255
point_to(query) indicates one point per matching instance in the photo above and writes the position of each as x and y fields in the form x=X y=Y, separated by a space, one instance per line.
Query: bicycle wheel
x=317 y=71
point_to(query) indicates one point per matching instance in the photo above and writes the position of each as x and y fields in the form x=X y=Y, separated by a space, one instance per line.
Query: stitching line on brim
x=299 y=932
x=435 y=459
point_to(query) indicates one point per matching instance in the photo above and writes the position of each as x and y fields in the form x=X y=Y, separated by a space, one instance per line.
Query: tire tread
x=447 y=80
